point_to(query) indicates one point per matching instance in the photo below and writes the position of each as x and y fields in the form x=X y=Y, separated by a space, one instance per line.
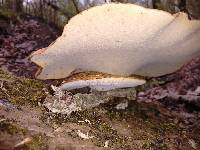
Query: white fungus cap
x=121 y=39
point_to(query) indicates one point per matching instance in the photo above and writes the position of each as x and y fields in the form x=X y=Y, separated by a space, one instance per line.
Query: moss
x=151 y=83
x=151 y=130
x=20 y=90
x=145 y=128
x=155 y=145
x=163 y=126
x=61 y=148
x=5 y=76
x=9 y=13
x=152 y=133
x=100 y=129
x=10 y=127
x=39 y=141
x=105 y=132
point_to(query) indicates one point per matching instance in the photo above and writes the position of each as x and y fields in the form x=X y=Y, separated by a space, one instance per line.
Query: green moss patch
x=20 y=90
x=10 y=127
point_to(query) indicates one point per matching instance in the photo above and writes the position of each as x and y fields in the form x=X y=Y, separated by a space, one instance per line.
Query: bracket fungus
x=99 y=81
x=120 y=39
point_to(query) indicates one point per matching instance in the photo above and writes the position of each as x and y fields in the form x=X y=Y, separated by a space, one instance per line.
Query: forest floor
x=164 y=115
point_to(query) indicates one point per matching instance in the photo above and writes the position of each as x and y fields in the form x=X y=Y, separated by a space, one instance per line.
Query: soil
x=160 y=118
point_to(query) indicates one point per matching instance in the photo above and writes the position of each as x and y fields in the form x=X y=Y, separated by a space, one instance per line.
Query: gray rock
x=65 y=103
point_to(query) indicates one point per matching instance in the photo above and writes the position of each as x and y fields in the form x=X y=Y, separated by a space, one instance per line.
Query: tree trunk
x=15 y=5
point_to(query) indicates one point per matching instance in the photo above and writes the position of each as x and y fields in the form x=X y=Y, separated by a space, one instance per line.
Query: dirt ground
x=165 y=114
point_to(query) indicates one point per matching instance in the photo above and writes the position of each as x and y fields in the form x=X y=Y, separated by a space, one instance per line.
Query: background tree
x=15 y=5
